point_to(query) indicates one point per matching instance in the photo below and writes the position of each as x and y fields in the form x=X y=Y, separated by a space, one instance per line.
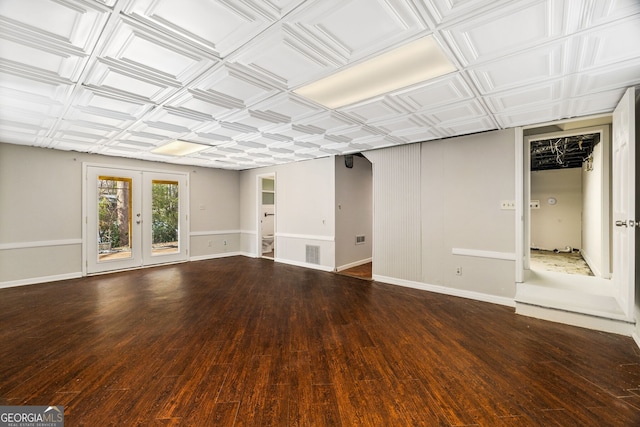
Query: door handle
x=621 y=223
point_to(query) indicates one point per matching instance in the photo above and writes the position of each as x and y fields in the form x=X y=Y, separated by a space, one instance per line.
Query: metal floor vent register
x=312 y=255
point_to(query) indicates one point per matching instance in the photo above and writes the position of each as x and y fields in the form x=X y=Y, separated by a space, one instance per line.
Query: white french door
x=623 y=198
x=134 y=218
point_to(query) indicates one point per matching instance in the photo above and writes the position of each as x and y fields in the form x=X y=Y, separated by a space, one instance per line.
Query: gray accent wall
x=41 y=211
x=437 y=210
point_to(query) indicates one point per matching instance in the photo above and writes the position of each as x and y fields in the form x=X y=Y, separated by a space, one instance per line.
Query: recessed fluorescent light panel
x=412 y=63
x=179 y=148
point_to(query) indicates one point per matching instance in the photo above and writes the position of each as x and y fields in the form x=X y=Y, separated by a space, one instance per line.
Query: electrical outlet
x=508 y=205
x=458 y=271
x=210 y=243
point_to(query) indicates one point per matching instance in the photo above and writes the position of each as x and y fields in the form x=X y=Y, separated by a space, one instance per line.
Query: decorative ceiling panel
x=432 y=95
x=528 y=96
x=612 y=43
x=542 y=114
x=121 y=77
x=465 y=127
x=218 y=27
x=530 y=68
x=517 y=26
x=286 y=58
x=351 y=29
x=377 y=109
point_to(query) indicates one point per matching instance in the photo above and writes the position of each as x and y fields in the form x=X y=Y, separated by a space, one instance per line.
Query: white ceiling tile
x=527 y=96
x=506 y=30
x=601 y=102
x=72 y=144
x=531 y=67
x=419 y=133
x=105 y=109
x=75 y=28
x=446 y=10
x=603 y=11
x=605 y=78
x=354 y=28
x=33 y=89
x=40 y=60
x=288 y=105
x=232 y=86
x=143 y=51
x=400 y=123
x=455 y=113
x=117 y=78
x=219 y=27
x=375 y=109
x=465 y=127
x=329 y=122
x=434 y=94
x=258 y=119
x=280 y=55
x=530 y=116
x=612 y=43
x=82 y=131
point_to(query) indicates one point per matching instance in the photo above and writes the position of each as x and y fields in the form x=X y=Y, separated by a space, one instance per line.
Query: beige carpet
x=570 y=263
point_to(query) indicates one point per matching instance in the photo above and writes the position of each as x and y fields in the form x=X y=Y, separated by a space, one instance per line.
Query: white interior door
x=134 y=218
x=623 y=198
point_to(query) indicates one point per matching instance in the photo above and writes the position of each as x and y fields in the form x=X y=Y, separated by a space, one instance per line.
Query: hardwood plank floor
x=250 y=342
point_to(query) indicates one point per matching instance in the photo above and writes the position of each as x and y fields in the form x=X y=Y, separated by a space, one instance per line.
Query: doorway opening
x=569 y=201
x=266 y=242
x=600 y=301
x=354 y=216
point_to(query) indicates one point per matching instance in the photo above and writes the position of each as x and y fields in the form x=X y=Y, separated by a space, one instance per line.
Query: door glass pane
x=164 y=217
x=114 y=218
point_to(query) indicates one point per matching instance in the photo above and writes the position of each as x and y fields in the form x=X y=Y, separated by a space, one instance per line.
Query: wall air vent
x=360 y=239
x=312 y=255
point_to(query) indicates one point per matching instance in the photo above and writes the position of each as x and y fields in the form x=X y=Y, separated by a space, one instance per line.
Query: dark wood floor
x=250 y=342
x=363 y=271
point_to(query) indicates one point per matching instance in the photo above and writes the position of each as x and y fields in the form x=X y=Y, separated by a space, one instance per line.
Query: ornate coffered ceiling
x=122 y=77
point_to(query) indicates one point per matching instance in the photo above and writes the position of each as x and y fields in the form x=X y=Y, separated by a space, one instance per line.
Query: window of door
x=134 y=218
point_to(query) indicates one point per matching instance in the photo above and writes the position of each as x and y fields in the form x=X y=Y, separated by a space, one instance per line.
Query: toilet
x=267 y=243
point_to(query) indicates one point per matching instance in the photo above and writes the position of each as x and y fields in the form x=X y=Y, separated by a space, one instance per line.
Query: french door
x=134 y=218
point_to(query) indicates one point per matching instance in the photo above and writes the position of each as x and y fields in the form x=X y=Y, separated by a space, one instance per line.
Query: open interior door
x=623 y=199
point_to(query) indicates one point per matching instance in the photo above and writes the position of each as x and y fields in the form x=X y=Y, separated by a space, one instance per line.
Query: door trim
x=258 y=211
x=185 y=214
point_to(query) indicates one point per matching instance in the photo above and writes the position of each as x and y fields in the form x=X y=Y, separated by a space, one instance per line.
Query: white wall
x=354 y=212
x=41 y=210
x=440 y=203
x=305 y=206
x=592 y=221
x=557 y=226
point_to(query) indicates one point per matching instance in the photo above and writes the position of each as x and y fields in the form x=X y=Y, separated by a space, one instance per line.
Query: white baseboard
x=353 y=264
x=214 y=256
x=576 y=319
x=636 y=338
x=43 y=279
x=478 y=296
x=304 y=264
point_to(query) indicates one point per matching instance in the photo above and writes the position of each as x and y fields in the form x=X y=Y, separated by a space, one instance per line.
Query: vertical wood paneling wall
x=397 y=227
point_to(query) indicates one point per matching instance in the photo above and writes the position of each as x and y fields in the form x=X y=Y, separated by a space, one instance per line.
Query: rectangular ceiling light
x=179 y=148
x=412 y=63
